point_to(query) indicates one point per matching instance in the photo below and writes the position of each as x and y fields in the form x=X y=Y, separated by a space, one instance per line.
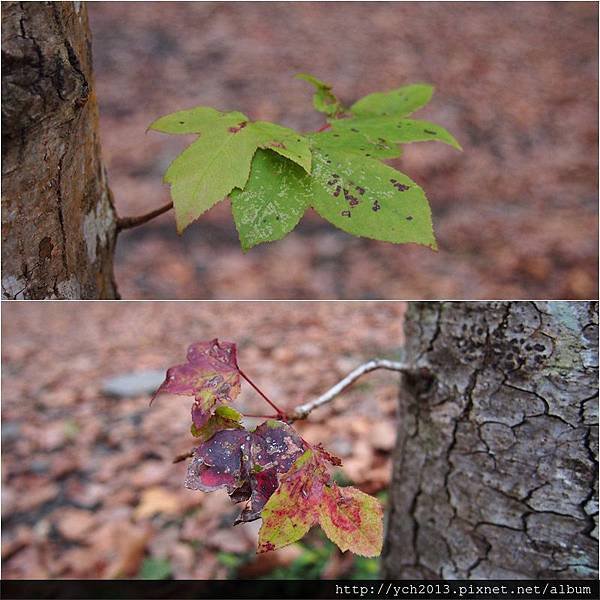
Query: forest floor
x=88 y=485
x=515 y=213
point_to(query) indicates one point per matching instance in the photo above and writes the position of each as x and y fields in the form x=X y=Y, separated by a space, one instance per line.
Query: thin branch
x=302 y=411
x=129 y=222
x=183 y=456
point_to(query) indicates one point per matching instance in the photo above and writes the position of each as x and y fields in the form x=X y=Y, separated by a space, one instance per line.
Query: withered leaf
x=211 y=375
x=245 y=463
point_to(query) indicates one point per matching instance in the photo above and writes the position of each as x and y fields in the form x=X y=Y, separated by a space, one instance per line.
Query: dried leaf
x=157 y=500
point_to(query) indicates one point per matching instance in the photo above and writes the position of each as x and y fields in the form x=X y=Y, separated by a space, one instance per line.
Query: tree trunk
x=495 y=470
x=58 y=220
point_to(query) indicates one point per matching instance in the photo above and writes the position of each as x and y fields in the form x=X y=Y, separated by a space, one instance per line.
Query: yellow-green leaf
x=273 y=201
x=324 y=100
x=370 y=199
x=224 y=417
x=219 y=160
x=306 y=495
x=352 y=520
x=396 y=130
x=399 y=103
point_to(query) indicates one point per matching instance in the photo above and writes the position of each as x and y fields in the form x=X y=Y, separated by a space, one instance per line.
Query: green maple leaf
x=352 y=141
x=399 y=103
x=324 y=100
x=274 y=174
x=367 y=198
x=395 y=130
x=219 y=160
x=306 y=496
x=360 y=195
x=273 y=201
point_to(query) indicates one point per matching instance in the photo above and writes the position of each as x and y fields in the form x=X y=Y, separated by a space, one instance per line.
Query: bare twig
x=302 y=411
x=129 y=222
x=183 y=456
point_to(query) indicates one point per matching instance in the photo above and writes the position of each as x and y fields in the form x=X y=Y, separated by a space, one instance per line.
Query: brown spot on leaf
x=399 y=186
x=238 y=127
x=266 y=547
x=430 y=132
x=346 y=213
x=376 y=206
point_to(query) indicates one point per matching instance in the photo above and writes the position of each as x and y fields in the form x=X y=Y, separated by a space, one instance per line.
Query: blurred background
x=516 y=82
x=88 y=485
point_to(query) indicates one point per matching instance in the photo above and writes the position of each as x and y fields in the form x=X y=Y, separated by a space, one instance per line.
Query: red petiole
x=280 y=413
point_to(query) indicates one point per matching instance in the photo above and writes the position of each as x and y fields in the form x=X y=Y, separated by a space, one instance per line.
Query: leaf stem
x=129 y=222
x=183 y=456
x=280 y=414
x=261 y=416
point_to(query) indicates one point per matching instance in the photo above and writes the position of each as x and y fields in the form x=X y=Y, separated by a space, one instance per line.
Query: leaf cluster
x=273 y=174
x=279 y=476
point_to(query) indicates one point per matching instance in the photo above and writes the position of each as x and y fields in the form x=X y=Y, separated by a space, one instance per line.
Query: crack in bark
x=61 y=217
x=510 y=512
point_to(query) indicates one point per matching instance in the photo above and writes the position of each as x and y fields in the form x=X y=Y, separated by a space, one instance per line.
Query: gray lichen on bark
x=496 y=464
x=58 y=221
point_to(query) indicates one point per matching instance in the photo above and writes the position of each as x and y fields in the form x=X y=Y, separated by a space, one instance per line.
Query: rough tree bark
x=58 y=220
x=496 y=464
